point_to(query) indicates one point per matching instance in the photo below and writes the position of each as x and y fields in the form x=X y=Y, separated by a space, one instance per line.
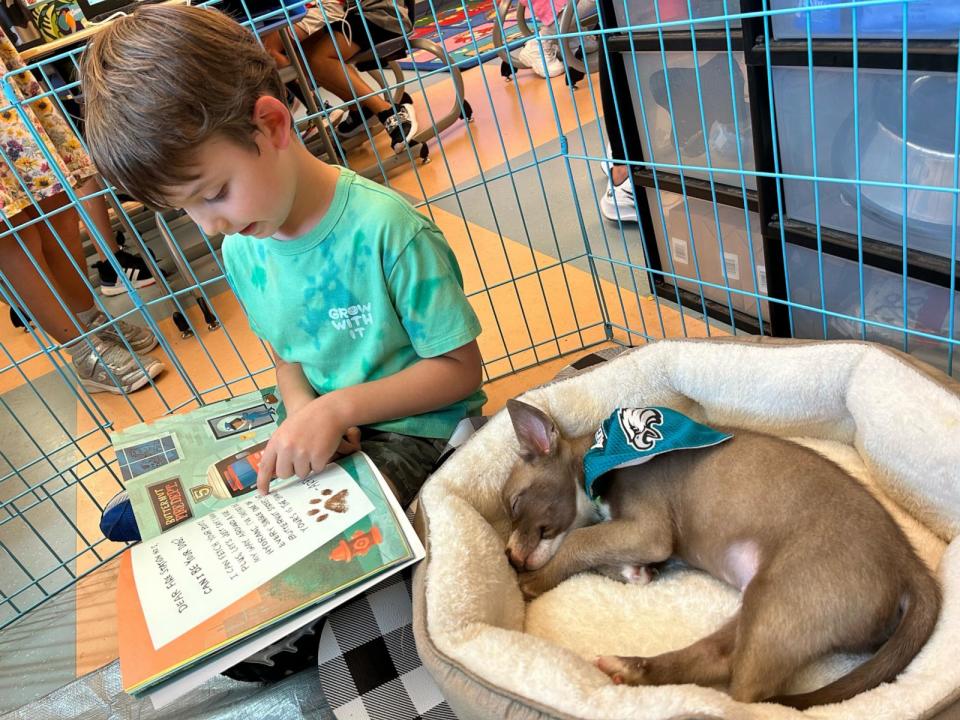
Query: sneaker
x=140 y=339
x=401 y=126
x=297 y=109
x=122 y=245
x=104 y=366
x=328 y=117
x=354 y=122
x=133 y=267
x=549 y=65
x=618 y=202
x=529 y=54
x=118 y=523
x=331 y=114
x=298 y=651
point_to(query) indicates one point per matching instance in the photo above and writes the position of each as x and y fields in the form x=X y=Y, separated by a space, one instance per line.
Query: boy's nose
x=210 y=226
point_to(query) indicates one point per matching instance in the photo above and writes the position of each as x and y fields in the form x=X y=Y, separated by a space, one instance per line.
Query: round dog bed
x=890 y=421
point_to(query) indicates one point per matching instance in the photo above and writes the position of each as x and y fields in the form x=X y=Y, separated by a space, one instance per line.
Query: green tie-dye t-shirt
x=372 y=289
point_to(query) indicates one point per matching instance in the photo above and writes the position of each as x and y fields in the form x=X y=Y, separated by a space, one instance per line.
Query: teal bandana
x=631 y=436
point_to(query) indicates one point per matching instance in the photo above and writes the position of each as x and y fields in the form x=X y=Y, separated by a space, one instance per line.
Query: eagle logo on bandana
x=599 y=439
x=639 y=426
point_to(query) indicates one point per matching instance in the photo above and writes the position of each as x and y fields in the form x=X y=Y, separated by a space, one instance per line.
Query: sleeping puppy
x=822 y=566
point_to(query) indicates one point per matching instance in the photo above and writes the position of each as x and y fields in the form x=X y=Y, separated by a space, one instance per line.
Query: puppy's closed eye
x=515 y=505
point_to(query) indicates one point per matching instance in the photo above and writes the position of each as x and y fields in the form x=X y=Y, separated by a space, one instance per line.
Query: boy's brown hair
x=162 y=81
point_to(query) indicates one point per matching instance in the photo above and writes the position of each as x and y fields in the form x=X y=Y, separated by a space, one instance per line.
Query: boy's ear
x=535 y=430
x=272 y=118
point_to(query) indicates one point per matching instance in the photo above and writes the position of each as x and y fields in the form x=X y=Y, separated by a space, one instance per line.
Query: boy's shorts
x=404 y=460
x=360 y=33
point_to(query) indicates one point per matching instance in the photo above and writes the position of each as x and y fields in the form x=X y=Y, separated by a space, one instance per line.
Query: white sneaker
x=553 y=65
x=618 y=202
x=530 y=57
x=401 y=126
x=103 y=365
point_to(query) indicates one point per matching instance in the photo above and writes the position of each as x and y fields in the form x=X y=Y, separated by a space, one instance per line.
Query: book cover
x=185 y=466
x=194 y=591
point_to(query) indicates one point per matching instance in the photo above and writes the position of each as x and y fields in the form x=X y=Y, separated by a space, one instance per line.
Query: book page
x=194 y=570
x=182 y=467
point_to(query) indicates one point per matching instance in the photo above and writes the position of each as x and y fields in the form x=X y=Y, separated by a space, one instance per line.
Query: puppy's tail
x=921 y=607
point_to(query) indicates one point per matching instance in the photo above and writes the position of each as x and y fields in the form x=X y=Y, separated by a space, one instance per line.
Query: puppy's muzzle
x=517 y=560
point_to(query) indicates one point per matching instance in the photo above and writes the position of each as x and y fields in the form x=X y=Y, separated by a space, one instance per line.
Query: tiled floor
x=514 y=216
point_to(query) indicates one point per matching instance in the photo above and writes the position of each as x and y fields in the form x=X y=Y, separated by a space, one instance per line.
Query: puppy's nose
x=514 y=560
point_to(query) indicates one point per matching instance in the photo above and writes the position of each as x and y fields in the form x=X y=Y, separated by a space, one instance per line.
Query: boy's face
x=240 y=190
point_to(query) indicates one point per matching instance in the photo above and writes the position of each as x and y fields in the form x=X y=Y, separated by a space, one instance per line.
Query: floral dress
x=19 y=147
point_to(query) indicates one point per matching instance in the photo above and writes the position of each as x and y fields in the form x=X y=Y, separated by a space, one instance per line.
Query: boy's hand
x=349 y=443
x=305 y=443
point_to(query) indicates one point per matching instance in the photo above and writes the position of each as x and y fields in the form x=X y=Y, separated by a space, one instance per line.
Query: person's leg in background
x=74 y=286
x=273 y=45
x=133 y=265
x=42 y=274
x=64 y=223
x=346 y=82
x=588 y=42
x=17 y=265
x=42 y=260
x=618 y=202
x=296 y=100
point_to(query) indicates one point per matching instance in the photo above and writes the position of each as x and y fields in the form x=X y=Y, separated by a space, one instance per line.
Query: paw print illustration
x=334 y=503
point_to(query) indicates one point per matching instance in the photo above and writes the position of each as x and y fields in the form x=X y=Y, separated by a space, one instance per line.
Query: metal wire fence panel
x=695 y=167
x=798 y=164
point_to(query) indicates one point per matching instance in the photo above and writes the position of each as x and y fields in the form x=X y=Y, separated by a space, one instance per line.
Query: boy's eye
x=219 y=196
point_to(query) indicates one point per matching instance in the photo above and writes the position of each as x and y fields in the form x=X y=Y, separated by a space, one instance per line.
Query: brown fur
x=832 y=571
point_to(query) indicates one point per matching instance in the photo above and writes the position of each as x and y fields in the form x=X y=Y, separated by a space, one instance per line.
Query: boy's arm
x=295 y=389
x=307 y=440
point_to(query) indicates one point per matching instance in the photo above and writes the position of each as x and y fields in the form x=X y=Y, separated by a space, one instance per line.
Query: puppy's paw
x=631 y=574
x=638 y=574
x=624 y=670
x=533 y=584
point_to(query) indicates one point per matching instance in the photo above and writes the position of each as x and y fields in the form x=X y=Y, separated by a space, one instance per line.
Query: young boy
x=358 y=295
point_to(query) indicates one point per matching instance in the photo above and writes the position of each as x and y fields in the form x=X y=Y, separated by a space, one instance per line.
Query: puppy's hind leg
x=705 y=662
x=778 y=634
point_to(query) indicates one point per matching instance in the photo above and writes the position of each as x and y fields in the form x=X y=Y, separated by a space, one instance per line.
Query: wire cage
x=792 y=165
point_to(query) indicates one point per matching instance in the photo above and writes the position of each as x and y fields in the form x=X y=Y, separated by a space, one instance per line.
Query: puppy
x=821 y=565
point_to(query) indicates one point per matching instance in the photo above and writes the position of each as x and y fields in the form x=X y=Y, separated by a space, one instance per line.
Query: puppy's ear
x=535 y=430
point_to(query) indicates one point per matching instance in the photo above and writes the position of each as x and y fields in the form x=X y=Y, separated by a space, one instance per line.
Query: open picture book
x=223 y=572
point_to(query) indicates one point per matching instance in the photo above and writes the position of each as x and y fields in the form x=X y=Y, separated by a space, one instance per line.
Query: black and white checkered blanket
x=369 y=666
